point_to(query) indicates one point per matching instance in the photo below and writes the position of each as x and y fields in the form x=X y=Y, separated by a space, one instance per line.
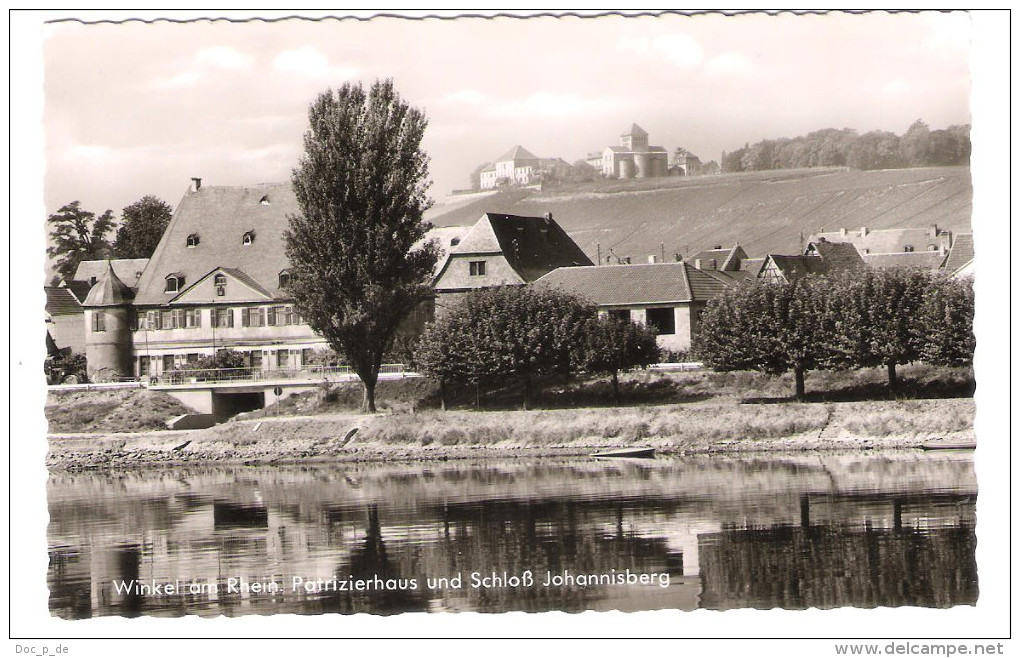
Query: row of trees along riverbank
x=845 y=321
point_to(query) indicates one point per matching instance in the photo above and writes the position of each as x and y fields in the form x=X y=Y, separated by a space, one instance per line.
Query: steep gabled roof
x=61 y=301
x=726 y=259
x=642 y=284
x=961 y=253
x=634 y=130
x=534 y=246
x=447 y=238
x=518 y=152
x=887 y=241
x=109 y=291
x=221 y=215
x=836 y=255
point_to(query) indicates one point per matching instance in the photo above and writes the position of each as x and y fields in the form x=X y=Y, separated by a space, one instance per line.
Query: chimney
x=196 y=184
x=653 y=259
x=842 y=232
x=697 y=263
x=933 y=231
x=718 y=246
x=548 y=216
x=864 y=231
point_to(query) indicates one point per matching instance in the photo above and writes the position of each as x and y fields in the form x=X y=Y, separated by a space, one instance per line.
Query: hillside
x=763 y=211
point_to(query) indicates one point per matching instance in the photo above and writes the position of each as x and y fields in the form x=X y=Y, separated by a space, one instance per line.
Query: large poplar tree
x=361 y=186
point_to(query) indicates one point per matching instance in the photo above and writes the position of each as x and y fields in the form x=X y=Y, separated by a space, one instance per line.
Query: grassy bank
x=123 y=410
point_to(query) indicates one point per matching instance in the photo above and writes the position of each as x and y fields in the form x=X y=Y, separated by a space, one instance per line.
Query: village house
x=924 y=248
x=633 y=158
x=519 y=166
x=65 y=324
x=719 y=258
x=960 y=261
x=504 y=250
x=821 y=257
x=686 y=163
x=217 y=280
x=667 y=297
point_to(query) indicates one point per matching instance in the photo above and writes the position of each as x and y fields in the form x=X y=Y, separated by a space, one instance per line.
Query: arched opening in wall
x=225 y=405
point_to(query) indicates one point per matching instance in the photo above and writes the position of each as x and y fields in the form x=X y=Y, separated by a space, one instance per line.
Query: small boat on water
x=949 y=445
x=641 y=453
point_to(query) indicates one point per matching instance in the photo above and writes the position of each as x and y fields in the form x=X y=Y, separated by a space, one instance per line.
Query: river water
x=712 y=532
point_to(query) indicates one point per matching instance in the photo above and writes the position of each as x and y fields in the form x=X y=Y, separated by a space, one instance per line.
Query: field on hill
x=765 y=212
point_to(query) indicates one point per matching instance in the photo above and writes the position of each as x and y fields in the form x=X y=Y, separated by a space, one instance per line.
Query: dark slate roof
x=61 y=301
x=518 y=152
x=837 y=255
x=961 y=253
x=635 y=130
x=534 y=246
x=651 y=283
x=221 y=215
x=109 y=291
x=927 y=260
x=752 y=265
x=126 y=269
x=797 y=266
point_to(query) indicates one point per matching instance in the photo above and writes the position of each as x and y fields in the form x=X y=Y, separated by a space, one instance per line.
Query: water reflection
x=713 y=532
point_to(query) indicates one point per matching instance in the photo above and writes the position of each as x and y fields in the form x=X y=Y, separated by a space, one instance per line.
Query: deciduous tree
x=361 y=186
x=608 y=345
x=76 y=235
x=142 y=226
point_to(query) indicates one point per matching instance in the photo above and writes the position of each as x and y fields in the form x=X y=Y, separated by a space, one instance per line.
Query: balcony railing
x=309 y=373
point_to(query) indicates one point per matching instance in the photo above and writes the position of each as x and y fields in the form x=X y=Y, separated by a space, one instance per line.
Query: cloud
x=547 y=104
x=894 y=88
x=678 y=47
x=311 y=63
x=223 y=57
x=731 y=63
x=183 y=79
x=466 y=96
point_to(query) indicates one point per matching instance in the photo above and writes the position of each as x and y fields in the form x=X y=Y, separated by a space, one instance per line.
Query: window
x=168 y=362
x=192 y=318
x=98 y=321
x=281 y=316
x=908 y=248
x=143 y=366
x=661 y=320
x=306 y=357
x=222 y=317
x=282 y=359
x=174 y=283
x=220 y=280
x=248 y=238
x=255 y=359
x=253 y=317
x=192 y=358
x=193 y=240
x=287 y=277
x=477 y=267
x=620 y=315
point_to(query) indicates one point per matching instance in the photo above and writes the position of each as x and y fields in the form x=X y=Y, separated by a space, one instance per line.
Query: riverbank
x=691 y=428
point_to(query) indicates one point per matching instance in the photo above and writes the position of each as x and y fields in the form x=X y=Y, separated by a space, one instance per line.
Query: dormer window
x=174 y=282
x=220 y=280
x=287 y=277
x=264 y=200
x=248 y=238
x=193 y=240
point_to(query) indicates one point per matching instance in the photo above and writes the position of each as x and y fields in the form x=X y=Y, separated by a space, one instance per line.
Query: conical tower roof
x=109 y=291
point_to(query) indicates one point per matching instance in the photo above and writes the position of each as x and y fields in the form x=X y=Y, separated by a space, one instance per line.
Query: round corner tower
x=108 y=344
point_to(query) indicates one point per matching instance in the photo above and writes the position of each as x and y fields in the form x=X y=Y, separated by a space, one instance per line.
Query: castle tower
x=635 y=139
x=107 y=330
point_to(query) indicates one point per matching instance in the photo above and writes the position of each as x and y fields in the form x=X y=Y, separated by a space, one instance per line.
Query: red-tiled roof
x=61 y=301
x=651 y=283
x=961 y=253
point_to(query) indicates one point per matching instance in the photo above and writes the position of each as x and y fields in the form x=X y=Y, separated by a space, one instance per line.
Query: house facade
x=65 y=319
x=821 y=257
x=634 y=158
x=667 y=297
x=217 y=280
x=503 y=250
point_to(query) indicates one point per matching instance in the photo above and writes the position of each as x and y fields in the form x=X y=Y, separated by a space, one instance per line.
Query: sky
x=135 y=108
